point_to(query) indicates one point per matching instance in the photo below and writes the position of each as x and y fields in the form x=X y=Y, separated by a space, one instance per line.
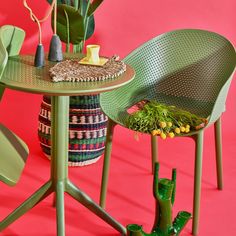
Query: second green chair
x=14 y=151
x=190 y=69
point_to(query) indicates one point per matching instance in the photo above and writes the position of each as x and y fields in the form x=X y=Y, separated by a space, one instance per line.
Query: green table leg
x=33 y=200
x=60 y=123
x=59 y=164
x=86 y=201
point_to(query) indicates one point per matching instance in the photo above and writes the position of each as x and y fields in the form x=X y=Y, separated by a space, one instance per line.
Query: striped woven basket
x=87 y=129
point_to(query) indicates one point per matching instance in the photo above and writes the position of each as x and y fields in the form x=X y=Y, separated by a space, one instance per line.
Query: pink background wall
x=122 y=25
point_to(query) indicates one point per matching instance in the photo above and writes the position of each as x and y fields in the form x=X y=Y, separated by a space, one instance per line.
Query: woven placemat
x=72 y=71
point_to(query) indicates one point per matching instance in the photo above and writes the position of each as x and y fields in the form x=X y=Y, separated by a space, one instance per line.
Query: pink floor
x=130 y=187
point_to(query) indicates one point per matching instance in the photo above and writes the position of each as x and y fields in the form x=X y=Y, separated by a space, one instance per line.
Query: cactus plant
x=164 y=193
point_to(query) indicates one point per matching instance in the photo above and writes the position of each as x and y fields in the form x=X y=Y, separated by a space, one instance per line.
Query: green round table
x=20 y=74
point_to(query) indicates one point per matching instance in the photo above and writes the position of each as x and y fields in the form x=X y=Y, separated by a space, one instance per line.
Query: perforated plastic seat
x=13 y=151
x=190 y=69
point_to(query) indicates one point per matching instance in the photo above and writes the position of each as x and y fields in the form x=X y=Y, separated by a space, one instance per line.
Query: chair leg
x=106 y=164
x=197 y=181
x=2 y=89
x=154 y=151
x=218 y=148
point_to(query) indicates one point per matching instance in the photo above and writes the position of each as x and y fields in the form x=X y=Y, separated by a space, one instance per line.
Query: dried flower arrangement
x=163 y=120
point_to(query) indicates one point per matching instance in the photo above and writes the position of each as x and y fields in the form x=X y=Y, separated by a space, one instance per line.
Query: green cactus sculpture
x=164 y=193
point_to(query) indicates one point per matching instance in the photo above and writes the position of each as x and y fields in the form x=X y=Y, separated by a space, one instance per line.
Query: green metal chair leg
x=85 y=200
x=197 y=181
x=106 y=164
x=33 y=200
x=218 y=148
x=1 y=91
x=154 y=148
x=60 y=208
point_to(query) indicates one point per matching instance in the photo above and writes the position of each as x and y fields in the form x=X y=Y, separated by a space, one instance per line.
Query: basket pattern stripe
x=87 y=129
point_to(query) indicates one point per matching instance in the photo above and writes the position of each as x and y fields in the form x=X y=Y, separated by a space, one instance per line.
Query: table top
x=20 y=74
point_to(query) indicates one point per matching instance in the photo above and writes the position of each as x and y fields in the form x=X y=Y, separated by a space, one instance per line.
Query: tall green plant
x=75 y=21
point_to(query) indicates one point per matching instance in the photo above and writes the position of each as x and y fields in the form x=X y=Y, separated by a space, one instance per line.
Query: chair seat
x=120 y=115
x=13 y=155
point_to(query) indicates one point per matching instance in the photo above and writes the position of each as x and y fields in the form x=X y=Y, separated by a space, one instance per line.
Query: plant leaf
x=91 y=21
x=91 y=27
x=76 y=24
x=94 y=5
x=67 y=2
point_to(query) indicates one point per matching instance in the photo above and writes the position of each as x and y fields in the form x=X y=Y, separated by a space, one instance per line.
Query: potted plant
x=87 y=132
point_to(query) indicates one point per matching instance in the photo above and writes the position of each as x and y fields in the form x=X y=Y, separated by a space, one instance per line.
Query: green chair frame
x=14 y=151
x=190 y=69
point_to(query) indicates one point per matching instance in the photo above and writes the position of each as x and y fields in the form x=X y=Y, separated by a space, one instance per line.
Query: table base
x=60 y=187
x=59 y=181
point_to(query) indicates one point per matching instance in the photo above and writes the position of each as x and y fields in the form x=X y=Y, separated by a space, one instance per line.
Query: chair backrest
x=13 y=155
x=186 y=68
x=11 y=39
x=13 y=151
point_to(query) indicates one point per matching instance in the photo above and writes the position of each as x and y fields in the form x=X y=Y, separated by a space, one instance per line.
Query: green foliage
x=91 y=21
x=70 y=24
x=92 y=8
x=67 y=2
x=95 y=4
x=80 y=21
x=157 y=118
x=58 y=1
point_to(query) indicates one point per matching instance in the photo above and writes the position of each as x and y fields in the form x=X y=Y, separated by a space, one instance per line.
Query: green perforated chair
x=13 y=151
x=190 y=69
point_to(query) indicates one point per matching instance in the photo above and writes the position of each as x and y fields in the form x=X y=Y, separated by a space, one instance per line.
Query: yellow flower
x=169 y=124
x=171 y=135
x=156 y=132
x=187 y=130
x=187 y=126
x=162 y=124
x=177 y=130
x=182 y=128
x=163 y=135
